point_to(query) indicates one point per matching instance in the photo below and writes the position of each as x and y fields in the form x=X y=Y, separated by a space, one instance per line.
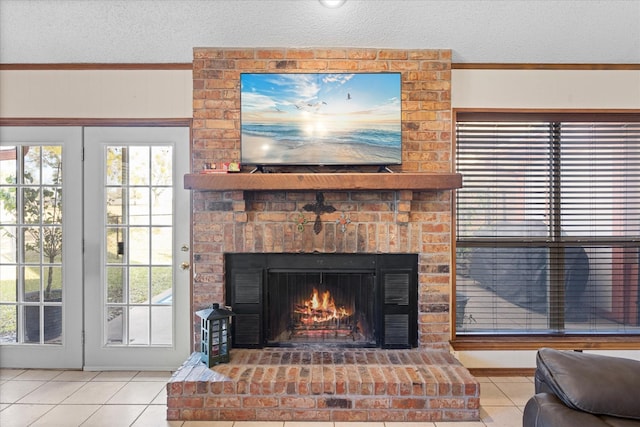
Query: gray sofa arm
x=546 y=410
x=596 y=384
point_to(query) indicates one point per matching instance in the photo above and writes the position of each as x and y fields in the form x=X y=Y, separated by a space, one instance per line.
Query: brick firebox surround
x=381 y=221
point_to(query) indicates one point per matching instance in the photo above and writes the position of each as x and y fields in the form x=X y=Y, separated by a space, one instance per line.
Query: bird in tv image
x=320 y=118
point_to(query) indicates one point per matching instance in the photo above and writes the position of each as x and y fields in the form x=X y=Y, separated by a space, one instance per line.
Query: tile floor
x=77 y=398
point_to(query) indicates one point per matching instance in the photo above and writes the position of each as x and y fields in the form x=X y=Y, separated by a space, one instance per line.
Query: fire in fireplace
x=321 y=307
x=348 y=300
x=320 y=310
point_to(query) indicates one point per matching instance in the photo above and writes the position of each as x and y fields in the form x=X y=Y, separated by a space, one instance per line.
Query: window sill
x=519 y=342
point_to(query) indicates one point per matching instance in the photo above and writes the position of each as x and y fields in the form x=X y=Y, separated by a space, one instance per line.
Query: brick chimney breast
x=396 y=221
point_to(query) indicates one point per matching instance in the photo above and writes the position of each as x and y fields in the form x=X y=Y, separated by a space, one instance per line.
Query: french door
x=41 y=247
x=136 y=248
x=123 y=302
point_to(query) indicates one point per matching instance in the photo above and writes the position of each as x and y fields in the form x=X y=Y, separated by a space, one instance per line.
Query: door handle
x=185 y=266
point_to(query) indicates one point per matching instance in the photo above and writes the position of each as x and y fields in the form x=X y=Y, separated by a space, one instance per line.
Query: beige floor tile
x=161 y=398
x=7 y=374
x=97 y=393
x=501 y=416
x=115 y=376
x=66 y=415
x=76 y=376
x=137 y=393
x=358 y=424
x=12 y=391
x=114 y=416
x=155 y=416
x=497 y=380
x=518 y=393
x=491 y=395
x=140 y=398
x=38 y=375
x=208 y=424
x=409 y=424
x=258 y=424
x=52 y=392
x=458 y=424
x=310 y=424
x=22 y=415
x=163 y=376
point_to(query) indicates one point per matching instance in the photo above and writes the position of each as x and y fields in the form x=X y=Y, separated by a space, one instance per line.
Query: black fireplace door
x=349 y=300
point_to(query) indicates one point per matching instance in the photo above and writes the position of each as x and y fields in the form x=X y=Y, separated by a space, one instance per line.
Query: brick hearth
x=330 y=385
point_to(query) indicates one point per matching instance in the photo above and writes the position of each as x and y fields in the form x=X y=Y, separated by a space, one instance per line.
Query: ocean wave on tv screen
x=380 y=135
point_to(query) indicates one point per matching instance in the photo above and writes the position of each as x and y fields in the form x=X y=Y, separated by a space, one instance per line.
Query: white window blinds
x=548 y=224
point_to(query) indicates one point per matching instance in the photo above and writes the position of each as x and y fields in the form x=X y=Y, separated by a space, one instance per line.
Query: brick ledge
x=325 y=385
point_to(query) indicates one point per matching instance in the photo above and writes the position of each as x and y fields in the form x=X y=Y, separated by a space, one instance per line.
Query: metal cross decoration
x=318 y=208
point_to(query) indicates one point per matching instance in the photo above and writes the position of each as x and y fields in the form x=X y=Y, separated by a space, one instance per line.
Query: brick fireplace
x=421 y=383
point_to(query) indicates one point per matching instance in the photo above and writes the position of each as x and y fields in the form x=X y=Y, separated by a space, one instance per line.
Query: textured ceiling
x=150 y=31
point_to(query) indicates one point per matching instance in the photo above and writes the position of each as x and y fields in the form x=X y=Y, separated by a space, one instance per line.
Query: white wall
x=572 y=89
x=96 y=93
x=168 y=94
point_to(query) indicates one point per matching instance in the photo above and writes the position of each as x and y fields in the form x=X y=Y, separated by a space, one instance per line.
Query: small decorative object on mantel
x=211 y=168
x=343 y=221
x=215 y=334
x=224 y=168
x=301 y=221
x=231 y=166
x=318 y=208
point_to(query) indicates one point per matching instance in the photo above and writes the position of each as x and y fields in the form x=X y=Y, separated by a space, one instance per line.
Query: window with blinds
x=548 y=224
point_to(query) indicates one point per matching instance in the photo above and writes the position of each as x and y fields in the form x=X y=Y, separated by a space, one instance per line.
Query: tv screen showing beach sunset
x=321 y=119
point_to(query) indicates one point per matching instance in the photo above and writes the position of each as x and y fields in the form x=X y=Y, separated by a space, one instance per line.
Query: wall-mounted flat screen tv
x=320 y=119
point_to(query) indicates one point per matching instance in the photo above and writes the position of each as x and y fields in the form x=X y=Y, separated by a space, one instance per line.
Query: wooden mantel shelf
x=323 y=181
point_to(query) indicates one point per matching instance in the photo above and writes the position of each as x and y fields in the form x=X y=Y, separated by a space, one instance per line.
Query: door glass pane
x=139 y=206
x=8 y=216
x=31 y=205
x=139 y=245
x=116 y=237
x=161 y=206
x=115 y=325
x=139 y=285
x=161 y=284
x=8 y=323
x=139 y=257
x=8 y=165
x=161 y=242
x=9 y=288
x=9 y=245
x=139 y=161
x=162 y=332
x=115 y=284
x=139 y=325
x=31 y=162
x=31 y=244
x=114 y=167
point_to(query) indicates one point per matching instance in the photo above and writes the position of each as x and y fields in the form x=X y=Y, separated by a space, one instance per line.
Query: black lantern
x=214 y=330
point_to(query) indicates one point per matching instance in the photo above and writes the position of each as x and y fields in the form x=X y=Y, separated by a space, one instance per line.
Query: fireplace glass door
x=321 y=307
x=345 y=300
